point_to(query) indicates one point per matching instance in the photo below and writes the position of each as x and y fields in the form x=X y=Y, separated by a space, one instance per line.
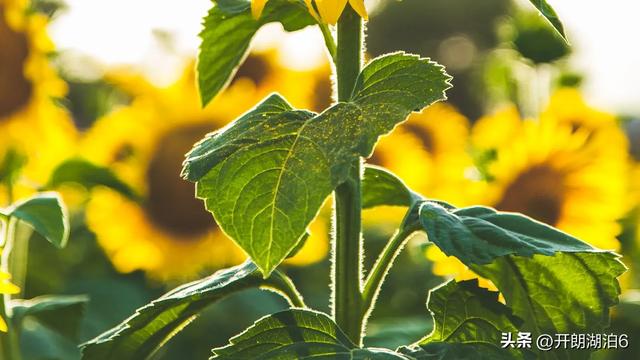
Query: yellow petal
x=256 y=7
x=8 y=288
x=358 y=6
x=3 y=325
x=330 y=10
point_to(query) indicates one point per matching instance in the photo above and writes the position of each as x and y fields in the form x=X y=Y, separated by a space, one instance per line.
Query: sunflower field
x=319 y=179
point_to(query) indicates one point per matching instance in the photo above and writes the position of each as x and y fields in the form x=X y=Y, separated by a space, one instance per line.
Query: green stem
x=9 y=341
x=329 y=41
x=380 y=270
x=281 y=283
x=347 y=254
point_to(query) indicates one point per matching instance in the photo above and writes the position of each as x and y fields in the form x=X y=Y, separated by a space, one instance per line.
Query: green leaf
x=478 y=234
x=455 y=351
x=550 y=14
x=265 y=176
x=464 y=313
x=228 y=30
x=297 y=334
x=46 y=214
x=381 y=187
x=151 y=326
x=553 y=281
x=564 y=293
x=89 y=175
x=60 y=313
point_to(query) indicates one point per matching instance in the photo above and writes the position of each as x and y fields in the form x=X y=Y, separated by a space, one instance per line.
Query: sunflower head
x=30 y=123
x=169 y=234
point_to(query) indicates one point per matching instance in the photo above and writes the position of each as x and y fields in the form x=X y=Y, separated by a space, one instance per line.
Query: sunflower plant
x=266 y=175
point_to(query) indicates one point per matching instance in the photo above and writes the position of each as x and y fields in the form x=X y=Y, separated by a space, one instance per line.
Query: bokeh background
x=532 y=125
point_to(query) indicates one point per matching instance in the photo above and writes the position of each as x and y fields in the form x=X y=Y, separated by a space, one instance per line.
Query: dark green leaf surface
x=228 y=30
x=88 y=175
x=266 y=175
x=564 y=293
x=550 y=14
x=554 y=282
x=382 y=188
x=455 y=351
x=466 y=314
x=297 y=334
x=59 y=313
x=478 y=234
x=152 y=325
x=47 y=215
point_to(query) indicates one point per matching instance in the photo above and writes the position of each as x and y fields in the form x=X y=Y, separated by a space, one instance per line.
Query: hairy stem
x=329 y=41
x=347 y=254
x=380 y=270
x=281 y=283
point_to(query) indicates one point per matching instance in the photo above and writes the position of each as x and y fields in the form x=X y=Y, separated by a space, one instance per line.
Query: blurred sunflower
x=30 y=123
x=6 y=288
x=327 y=11
x=567 y=170
x=169 y=234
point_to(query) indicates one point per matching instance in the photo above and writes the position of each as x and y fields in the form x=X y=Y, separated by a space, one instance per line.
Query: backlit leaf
x=228 y=30
x=265 y=176
x=46 y=214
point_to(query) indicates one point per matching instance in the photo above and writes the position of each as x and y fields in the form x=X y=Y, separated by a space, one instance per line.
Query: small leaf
x=478 y=234
x=550 y=14
x=266 y=175
x=10 y=165
x=228 y=30
x=60 y=313
x=466 y=314
x=88 y=175
x=139 y=336
x=380 y=187
x=47 y=215
x=297 y=334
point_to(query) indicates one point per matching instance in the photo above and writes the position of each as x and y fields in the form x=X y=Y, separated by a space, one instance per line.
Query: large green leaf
x=88 y=175
x=553 y=281
x=478 y=234
x=151 y=326
x=564 y=293
x=297 y=334
x=228 y=30
x=550 y=14
x=266 y=175
x=466 y=314
x=46 y=214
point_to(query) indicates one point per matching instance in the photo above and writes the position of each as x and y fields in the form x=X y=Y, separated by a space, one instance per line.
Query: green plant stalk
x=380 y=269
x=9 y=341
x=282 y=284
x=347 y=245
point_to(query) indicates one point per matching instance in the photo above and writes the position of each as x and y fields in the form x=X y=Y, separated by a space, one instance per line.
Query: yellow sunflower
x=30 y=123
x=169 y=234
x=6 y=288
x=568 y=170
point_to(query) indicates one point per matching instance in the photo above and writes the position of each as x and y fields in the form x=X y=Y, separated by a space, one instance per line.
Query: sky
x=602 y=38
